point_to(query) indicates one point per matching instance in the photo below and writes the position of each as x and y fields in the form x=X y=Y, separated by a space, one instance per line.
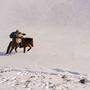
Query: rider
x=17 y=36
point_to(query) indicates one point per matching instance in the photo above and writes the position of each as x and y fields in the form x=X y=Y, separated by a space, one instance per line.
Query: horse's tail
x=32 y=43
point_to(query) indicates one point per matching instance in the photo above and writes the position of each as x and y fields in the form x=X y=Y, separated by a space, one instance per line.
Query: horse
x=26 y=42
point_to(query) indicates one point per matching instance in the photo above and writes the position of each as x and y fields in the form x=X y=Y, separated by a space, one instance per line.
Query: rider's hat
x=17 y=30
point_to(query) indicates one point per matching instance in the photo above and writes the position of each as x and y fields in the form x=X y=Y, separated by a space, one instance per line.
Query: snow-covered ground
x=41 y=79
x=60 y=57
x=58 y=61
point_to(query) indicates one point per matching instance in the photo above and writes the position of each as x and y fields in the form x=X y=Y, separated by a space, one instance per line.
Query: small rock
x=83 y=81
x=64 y=76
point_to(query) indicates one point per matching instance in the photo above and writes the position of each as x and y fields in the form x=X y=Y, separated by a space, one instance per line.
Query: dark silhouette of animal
x=26 y=42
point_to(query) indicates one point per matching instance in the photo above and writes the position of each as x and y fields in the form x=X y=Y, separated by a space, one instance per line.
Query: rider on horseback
x=18 y=40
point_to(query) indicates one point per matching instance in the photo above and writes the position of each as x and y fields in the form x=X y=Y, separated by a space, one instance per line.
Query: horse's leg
x=13 y=46
x=24 y=49
x=11 y=49
x=8 y=48
x=29 y=49
x=32 y=43
x=16 y=48
x=29 y=46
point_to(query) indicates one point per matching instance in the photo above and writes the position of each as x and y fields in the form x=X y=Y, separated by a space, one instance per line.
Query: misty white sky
x=47 y=12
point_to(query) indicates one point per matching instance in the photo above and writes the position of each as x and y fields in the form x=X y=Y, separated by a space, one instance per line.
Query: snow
x=60 y=57
x=41 y=79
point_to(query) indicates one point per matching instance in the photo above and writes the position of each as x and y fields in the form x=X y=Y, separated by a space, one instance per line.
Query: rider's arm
x=22 y=33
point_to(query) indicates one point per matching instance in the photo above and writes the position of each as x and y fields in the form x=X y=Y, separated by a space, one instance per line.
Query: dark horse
x=26 y=42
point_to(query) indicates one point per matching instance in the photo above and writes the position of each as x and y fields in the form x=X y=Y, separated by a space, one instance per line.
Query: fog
x=16 y=13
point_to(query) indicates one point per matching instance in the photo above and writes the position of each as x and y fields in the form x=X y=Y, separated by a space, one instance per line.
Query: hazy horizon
x=17 y=13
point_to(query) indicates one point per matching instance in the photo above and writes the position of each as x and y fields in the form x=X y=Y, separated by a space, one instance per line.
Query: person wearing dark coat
x=17 y=36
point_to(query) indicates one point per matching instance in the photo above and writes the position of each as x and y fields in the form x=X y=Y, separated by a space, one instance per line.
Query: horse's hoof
x=28 y=49
x=6 y=53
